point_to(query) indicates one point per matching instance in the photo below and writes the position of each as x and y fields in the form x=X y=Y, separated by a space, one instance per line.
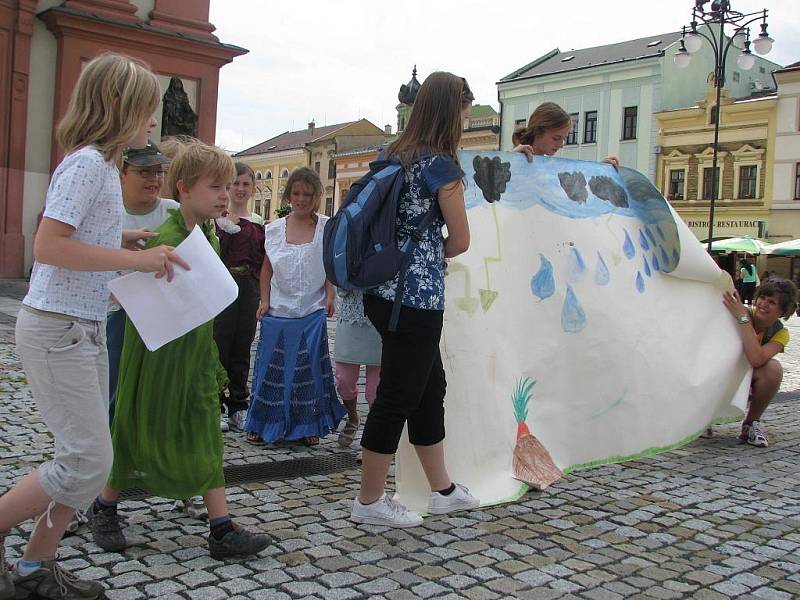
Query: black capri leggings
x=412 y=385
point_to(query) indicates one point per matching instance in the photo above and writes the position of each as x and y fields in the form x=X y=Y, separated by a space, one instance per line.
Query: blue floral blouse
x=424 y=285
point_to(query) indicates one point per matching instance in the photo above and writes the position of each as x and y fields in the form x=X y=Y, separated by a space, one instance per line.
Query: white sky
x=339 y=61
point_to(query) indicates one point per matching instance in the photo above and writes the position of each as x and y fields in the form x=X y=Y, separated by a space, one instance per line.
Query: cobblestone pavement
x=711 y=520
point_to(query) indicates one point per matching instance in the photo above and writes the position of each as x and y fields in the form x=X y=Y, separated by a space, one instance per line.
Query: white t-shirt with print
x=84 y=193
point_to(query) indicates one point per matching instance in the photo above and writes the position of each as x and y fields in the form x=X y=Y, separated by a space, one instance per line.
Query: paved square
x=711 y=520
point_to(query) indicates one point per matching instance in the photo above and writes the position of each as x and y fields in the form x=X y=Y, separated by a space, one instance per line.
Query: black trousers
x=412 y=385
x=234 y=331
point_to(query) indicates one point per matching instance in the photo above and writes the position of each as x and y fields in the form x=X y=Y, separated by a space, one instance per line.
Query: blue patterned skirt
x=293 y=390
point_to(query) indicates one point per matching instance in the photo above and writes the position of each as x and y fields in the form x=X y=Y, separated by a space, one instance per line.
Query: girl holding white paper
x=60 y=330
x=166 y=432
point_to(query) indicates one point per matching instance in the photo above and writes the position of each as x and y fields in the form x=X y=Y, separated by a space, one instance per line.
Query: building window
x=316 y=167
x=629 y=122
x=572 y=138
x=712 y=115
x=267 y=209
x=520 y=123
x=590 y=127
x=258 y=175
x=797 y=181
x=329 y=206
x=284 y=173
x=708 y=183
x=331 y=169
x=747 y=181
x=269 y=175
x=257 y=202
x=736 y=76
x=676 y=182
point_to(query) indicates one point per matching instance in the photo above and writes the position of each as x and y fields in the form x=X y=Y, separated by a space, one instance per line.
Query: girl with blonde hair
x=412 y=385
x=166 y=432
x=60 y=330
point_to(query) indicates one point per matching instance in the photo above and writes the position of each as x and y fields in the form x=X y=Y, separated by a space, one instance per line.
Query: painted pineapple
x=532 y=462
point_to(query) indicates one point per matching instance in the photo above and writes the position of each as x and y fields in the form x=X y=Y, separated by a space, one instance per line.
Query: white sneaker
x=459 y=499
x=237 y=419
x=195 y=507
x=384 y=511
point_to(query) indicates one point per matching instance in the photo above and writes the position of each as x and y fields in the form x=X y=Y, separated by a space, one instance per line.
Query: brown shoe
x=54 y=583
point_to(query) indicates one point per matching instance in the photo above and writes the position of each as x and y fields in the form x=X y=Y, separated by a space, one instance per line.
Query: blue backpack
x=359 y=247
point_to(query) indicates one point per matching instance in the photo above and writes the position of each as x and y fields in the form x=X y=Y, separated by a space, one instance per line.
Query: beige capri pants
x=66 y=362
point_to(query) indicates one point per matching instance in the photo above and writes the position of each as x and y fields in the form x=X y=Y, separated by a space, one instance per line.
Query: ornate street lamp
x=721 y=15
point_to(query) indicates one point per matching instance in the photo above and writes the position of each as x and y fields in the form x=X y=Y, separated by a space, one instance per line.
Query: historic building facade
x=612 y=93
x=745 y=164
x=58 y=37
x=315 y=147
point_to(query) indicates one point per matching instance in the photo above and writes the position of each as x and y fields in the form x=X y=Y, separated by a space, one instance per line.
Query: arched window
x=284 y=173
x=258 y=175
x=257 y=201
x=268 y=175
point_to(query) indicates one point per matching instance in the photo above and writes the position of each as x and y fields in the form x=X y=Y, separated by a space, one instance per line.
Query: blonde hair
x=311 y=179
x=111 y=100
x=196 y=160
x=171 y=145
x=435 y=122
x=547 y=115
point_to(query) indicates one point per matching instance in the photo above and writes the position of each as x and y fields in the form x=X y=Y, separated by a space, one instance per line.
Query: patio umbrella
x=790 y=248
x=740 y=244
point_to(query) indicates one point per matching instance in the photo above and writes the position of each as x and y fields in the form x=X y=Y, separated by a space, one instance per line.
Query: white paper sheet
x=164 y=311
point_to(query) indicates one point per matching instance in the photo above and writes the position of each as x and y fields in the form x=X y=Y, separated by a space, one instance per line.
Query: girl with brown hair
x=546 y=133
x=294 y=398
x=412 y=386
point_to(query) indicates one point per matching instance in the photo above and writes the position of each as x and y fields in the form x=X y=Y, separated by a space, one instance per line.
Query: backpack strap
x=407 y=250
x=771 y=331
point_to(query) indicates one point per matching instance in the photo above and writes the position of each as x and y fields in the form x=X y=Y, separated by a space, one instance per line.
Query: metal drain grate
x=274 y=471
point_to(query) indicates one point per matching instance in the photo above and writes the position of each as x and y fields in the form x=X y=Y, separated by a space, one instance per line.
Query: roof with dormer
x=291 y=140
x=557 y=61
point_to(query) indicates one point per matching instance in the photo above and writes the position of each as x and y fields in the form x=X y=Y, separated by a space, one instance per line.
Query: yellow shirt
x=782 y=336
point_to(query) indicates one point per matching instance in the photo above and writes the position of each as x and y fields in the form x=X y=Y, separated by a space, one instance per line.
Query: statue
x=177 y=116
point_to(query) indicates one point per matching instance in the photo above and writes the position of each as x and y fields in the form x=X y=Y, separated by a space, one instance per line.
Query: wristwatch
x=743 y=319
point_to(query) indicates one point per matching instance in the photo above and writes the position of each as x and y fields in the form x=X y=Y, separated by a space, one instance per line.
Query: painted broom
x=532 y=463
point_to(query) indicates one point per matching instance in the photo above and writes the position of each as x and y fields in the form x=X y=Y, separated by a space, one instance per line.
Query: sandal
x=255 y=439
x=347 y=434
x=310 y=441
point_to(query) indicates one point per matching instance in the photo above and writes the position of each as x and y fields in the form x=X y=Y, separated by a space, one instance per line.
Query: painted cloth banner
x=585 y=314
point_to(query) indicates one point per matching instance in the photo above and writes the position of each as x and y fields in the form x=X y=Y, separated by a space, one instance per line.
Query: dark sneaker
x=6 y=584
x=237 y=542
x=52 y=582
x=106 y=530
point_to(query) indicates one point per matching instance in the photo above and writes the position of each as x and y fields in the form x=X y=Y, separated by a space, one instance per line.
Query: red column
x=16 y=29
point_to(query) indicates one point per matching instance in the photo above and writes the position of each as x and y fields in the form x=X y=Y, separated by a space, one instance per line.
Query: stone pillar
x=188 y=18
x=16 y=30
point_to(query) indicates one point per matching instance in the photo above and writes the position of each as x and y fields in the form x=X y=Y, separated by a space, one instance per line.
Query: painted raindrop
x=601 y=274
x=576 y=267
x=660 y=232
x=543 y=284
x=664 y=257
x=647 y=270
x=640 y=283
x=643 y=241
x=656 y=265
x=650 y=236
x=628 y=247
x=676 y=257
x=573 y=318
